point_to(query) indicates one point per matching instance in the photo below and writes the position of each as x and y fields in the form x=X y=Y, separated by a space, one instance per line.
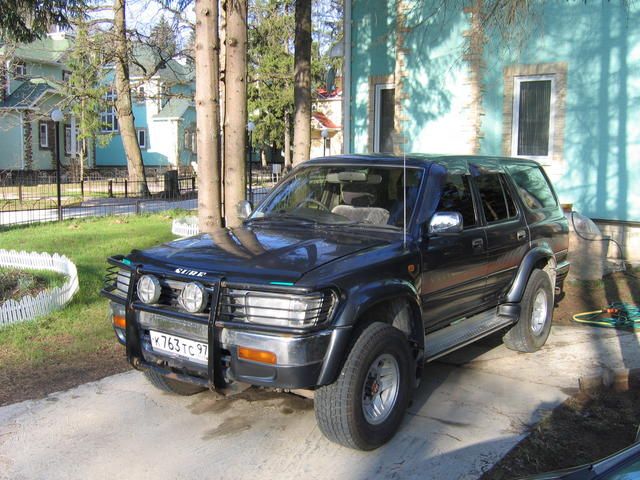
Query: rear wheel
x=364 y=407
x=532 y=330
x=170 y=385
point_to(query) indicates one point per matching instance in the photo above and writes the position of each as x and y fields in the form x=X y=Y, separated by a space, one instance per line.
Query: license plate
x=182 y=347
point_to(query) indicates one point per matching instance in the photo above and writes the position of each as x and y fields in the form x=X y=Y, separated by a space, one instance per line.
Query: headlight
x=193 y=297
x=149 y=289
x=278 y=309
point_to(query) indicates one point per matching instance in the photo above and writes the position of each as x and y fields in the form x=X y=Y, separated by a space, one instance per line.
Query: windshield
x=344 y=195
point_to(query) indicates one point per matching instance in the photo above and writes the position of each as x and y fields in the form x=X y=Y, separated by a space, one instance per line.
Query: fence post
x=193 y=184
x=110 y=187
x=126 y=188
x=82 y=189
x=20 y=192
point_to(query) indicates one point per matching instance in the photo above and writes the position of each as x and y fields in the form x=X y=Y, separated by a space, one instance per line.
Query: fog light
x=193 y=297
x=149 y=289
x=120 y=321
x=259 y=356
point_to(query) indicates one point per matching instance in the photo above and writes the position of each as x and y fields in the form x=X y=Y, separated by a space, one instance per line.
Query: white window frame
x=66 y=75
x=71 y=142
x=109 y=117
x=143 y=145
x=517 y=81
x=20 y=69
x=376 y=112
x=45 y=137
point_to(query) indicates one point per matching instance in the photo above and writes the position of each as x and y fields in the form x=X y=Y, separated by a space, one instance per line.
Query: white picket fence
x=185 y=227
x=45 y=302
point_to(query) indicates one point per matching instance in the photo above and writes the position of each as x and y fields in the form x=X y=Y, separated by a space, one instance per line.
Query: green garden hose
x=622 y=315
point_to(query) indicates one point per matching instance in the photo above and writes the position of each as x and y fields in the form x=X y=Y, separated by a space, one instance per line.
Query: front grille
x=116 y=281
x=275 y=308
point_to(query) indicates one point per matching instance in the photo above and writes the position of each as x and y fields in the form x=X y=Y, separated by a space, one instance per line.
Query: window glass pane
x=385 y=120
x=511 y=206
x=492 y=196
x=456 y=197
x=533 y=187
x=533 y=118
x=67 y=139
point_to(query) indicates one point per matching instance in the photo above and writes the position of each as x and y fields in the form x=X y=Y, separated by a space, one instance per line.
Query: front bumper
x=300 y=357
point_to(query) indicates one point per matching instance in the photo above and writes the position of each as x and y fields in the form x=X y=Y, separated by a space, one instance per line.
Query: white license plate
x=182 y=347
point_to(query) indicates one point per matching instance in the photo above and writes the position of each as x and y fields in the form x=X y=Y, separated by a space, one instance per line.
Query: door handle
x=521 y=234
x=477 y=243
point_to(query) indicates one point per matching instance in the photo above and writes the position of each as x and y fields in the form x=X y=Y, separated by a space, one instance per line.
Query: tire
x=533 y=327
x=170 y=385
x=341 y=411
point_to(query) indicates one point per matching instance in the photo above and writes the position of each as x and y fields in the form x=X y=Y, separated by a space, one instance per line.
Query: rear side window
x=456 y=197
x=497 y=202
x=533 y=187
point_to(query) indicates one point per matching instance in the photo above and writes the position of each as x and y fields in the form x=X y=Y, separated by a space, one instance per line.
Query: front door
x=454 y=265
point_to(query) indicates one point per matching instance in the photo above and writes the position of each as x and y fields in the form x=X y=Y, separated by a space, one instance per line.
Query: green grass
x=82 y=326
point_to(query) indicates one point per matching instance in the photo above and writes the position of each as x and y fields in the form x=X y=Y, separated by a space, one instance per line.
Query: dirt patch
x=37 y=380
x=585 y=428
x=15 y=284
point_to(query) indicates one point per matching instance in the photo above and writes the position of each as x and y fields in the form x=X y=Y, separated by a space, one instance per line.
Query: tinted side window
x=533 y=187
x=456 y=197
x=497 y=203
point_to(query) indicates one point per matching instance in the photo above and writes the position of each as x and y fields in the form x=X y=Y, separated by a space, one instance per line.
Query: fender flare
x=533 y=257
x=359 y=301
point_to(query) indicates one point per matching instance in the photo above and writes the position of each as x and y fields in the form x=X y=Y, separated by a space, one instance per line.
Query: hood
x=258 y=253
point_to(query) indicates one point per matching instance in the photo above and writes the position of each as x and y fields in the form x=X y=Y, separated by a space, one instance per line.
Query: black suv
x=349 y=276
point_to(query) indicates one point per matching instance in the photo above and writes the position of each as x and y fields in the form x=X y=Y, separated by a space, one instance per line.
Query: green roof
x=45 y=49
x=27 y=93
x=174 y=108
x=146 y=59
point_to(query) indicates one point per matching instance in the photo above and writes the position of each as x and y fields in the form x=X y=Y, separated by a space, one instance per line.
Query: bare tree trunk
x=287 y=141
x=235 y=145
x=302 y=87
x=126 y=124
x=208 y=114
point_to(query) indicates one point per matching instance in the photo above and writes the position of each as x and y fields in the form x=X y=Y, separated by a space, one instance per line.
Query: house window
x=384 y=104
x=44 y=136
x=140 y=94
x=109 y=117
x=533 y=116
x=70 y=145
x=66 y=75
x=19 y=69
x=142 y=138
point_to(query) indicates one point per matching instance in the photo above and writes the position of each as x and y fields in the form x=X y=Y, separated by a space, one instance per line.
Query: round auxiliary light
x=193 y=297
x=149 y=289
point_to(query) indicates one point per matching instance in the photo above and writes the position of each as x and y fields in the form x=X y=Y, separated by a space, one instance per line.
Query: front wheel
x=533 y=327
x=364 y=407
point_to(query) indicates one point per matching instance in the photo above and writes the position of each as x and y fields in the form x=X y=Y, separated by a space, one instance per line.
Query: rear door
x=506 y=231
x=454 y=265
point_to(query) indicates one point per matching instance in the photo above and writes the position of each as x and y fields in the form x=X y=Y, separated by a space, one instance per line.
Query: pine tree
x=163 y=39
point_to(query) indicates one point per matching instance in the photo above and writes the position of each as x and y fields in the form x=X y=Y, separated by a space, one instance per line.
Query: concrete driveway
x=469 y=411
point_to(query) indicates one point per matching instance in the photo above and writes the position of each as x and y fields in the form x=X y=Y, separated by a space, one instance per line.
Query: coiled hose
x=622 y=315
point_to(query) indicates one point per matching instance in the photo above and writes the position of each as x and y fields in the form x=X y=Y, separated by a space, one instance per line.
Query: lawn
x=76 y=343
x=14 y=283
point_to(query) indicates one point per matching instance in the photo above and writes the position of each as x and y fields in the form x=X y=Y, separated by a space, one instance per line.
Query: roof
x=325 y=121
x=452 y=162
x=174 y=108
x=45 y=49
x=26 y=94
x=146 y=59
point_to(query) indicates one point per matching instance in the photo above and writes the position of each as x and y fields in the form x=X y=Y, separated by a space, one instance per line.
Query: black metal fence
x=39 y=198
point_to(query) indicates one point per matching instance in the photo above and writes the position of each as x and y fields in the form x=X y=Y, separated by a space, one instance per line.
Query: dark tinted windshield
x=345 y=194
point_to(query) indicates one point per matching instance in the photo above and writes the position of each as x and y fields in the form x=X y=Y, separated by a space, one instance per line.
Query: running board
x=464 y=332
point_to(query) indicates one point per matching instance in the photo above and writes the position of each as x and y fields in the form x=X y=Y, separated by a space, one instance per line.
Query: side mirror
x=445 y=222
x=243 y=209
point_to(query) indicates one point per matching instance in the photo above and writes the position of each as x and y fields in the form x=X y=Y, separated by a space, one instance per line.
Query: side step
x=464 y=332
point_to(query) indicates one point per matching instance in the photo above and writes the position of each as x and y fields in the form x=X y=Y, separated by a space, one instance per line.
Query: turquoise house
x=562 y=87
x=164 y=112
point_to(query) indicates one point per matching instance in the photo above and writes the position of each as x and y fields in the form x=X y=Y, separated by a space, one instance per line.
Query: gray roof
x=174 y=108
x=27 y=93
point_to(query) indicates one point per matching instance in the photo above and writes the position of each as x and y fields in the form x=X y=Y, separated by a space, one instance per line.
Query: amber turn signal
x=120 y=321
x=259 y=356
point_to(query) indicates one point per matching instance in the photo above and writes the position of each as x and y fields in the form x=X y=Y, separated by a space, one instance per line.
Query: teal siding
x=598 y=41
